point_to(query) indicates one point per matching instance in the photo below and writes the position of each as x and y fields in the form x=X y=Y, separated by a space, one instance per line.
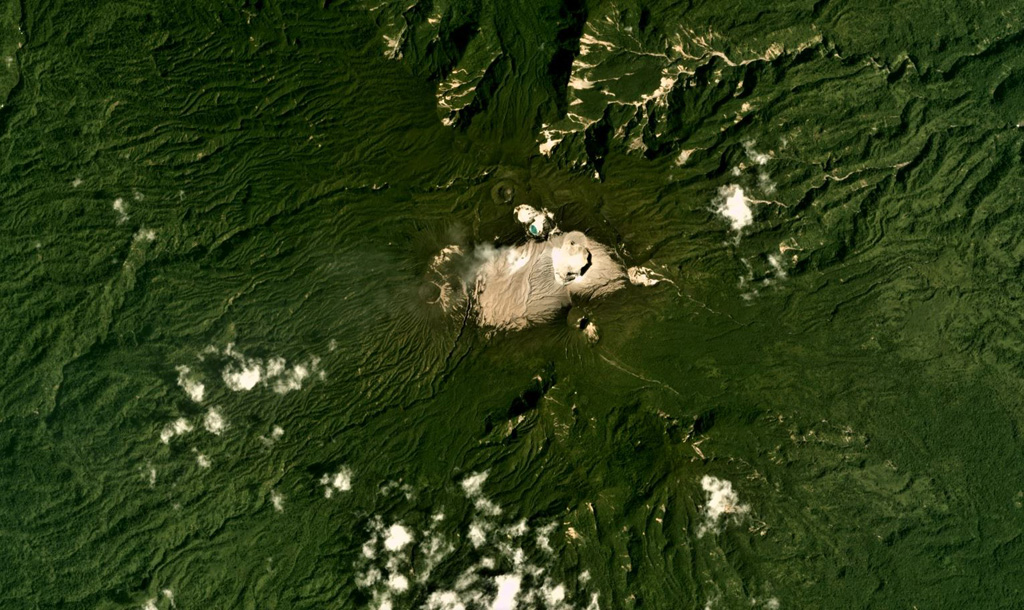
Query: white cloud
x=292 y=380
x=399 y=560
x=398 y=583
x=445 y=600
x=369 y=548
x=734 y=207
x=432 y=549
x=275 y=435
x=277 y=500
x=722 y=501
x=473 y=488
x=214 y=422
x=544 y=537
x=343 y=480
x=195 y=389
x=244 y=377
x=508 y=589
x=518 y=558
x=340 y=481
x=487 y=507
x=473 y=484
x=370 y=578
x=122 y=209
x=244 y=374
x=477 y=534
x=175 y=428
x=150 y=604
x=553 y=595
x=398 y=536
x=202 y=460
x=518 y=530
x=752 y=154
x=467 y=579
x=275 y=366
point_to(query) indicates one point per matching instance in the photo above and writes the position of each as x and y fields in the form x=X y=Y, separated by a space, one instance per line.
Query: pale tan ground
x=519 y=286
